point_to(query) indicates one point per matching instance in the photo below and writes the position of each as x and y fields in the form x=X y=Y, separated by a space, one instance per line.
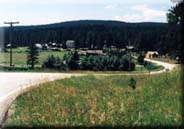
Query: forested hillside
x=96 y=34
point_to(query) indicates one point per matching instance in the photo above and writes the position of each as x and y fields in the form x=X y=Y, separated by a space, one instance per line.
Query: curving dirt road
x=14 y=84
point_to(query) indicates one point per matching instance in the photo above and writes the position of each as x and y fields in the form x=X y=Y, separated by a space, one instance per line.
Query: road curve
x=14 y=84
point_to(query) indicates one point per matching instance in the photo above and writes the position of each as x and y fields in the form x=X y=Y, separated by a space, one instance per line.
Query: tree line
x=73 y=61
x=94 y=34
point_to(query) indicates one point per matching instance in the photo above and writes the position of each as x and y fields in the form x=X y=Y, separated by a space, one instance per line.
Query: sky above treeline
x=33 y=12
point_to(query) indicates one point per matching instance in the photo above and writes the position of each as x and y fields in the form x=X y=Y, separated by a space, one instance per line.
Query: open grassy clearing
x=20 y=56
x=102 y=100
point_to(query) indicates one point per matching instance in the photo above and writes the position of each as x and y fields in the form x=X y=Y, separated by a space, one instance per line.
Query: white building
x=70 y=44
x=152 y=54
x=39 y=46
x=8 y=45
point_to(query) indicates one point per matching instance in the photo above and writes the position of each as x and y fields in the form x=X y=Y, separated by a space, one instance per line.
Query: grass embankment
x=102 y=100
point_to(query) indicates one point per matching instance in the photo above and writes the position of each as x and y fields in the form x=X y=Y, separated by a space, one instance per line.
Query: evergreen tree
x=75 y=61
x=72 y=60
x=132 y=83
x=140 y=59
x=32 y=57
x=176 y=17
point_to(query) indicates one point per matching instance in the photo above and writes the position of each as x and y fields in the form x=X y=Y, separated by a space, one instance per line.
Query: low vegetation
x=64 y=61
x=102 y=100
x=32 y=56
x=72 y=61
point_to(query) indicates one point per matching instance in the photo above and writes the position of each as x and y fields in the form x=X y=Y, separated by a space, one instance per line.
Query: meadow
x=20 y=56
x=102 y=100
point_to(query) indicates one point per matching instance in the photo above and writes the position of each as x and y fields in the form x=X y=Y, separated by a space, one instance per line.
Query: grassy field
x=20 y=56
x=102 y=100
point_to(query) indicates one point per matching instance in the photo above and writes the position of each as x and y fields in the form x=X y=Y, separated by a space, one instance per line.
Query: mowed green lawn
x=20 y=56
x=102 y=100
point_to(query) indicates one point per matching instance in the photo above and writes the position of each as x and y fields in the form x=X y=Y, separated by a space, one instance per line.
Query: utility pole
x=129 y=48
x=10 y=39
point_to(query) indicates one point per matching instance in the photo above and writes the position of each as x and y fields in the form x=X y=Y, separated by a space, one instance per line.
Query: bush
x=132 y=83
x=32 y=56
x=103 y=63
x=84 y=63
x=72 y=61
x=54 y=63
x=127 y=64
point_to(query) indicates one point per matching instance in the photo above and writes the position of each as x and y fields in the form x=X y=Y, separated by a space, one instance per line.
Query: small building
x=59 y=45
x=54 y=45
x=82 y=52
x=8 y=45
x=70 y=44
x=45 y=46
x=49 y=44
x=113 y=47
x=91 y=52
x=39 y=46
x=129 y=48
x=151 y=54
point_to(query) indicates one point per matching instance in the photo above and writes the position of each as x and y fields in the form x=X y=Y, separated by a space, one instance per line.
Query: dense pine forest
x=94 y=34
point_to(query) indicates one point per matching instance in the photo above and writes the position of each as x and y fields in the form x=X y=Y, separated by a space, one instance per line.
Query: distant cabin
x=59 y=45
x=8 y=45
x=113 y=47
x=152 y=54
x=70 y=44
x=39 y=46
x=129 y=48
x=54 y=45
x=45 y=46
x=91 y=52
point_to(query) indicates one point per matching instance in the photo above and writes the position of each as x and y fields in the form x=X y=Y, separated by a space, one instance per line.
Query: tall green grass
x=102 y=100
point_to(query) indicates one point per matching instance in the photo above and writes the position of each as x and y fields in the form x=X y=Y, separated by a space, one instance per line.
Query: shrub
x=54 y=63
x=71 y=59
x=127 y=64
x=102 y=63
x=83 y=63
x=32 y=56
x=132 y=83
